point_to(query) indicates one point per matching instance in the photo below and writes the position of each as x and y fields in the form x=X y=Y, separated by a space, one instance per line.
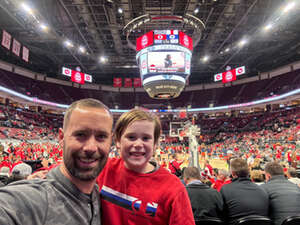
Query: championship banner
x=25 y=55
x=137 y=82
x=77 y=77
x=6 y=40
x=127 y=82
x=16 y=47
x=83 y=76
x=117 y=82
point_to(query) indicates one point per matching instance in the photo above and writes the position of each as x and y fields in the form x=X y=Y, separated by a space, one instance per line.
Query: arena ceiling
x=97 y=25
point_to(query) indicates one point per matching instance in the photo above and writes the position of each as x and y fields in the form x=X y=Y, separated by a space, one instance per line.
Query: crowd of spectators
x=29 y=144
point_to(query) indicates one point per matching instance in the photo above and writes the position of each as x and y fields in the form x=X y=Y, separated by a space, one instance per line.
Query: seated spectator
x=222 y=179
x=206 y=202
x=257 y=177
x=284 y=196
x=292 y=176
x=21 y=172
x=242 y=197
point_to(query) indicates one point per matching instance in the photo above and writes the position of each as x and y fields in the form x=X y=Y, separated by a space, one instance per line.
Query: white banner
x=25 y=55
x=88 y=78
x=218 y=77
x=240 y=70
x=66 y=71
x=6 y=39
x=16 y=47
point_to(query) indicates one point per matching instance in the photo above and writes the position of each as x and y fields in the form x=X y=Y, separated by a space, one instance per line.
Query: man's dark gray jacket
x=51 y=201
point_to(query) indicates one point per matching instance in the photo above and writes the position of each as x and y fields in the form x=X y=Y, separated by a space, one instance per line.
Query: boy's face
x=137 y=145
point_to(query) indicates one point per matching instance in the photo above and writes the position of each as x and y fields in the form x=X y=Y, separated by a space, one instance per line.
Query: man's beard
x=84 y=174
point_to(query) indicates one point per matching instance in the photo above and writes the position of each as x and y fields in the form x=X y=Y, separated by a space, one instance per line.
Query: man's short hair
x=191 y=172
x=274 y=168
x=88 y=102
x=292 y=171
x=239 y=167
x=137 y=115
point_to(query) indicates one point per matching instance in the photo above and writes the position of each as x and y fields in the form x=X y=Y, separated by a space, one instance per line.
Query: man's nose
x=91 y=144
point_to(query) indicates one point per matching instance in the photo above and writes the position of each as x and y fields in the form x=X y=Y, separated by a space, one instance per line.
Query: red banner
x=117 y=82
x=16 y=47
x=25 y=55
x=6 y=39
x=137 y=82
x=185 y=40
x=229 y=76
x=127 y=82
x=77 y=77
x=144 y=41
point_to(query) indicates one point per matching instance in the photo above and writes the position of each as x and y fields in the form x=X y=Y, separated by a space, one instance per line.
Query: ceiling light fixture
x=81 y=49
x=289 y=7
x=44 y=27
x=242 y=42
x=205 y=58
x=68 y=43
x=27 y=8
x=196 y=10
x=103 y=59
x=268 y=27
x=120 y=10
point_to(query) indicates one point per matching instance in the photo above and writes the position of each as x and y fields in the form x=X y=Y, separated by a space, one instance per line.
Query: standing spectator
x=242 y=197
x=284 y=196
x=174 y=165
x=206 y=202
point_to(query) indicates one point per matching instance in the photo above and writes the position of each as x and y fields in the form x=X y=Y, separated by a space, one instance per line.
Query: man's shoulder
x=27 y=187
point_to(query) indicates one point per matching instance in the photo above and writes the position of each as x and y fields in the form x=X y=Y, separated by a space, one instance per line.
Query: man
x=206 y=202
x=168 y=61
x=292 y=176
x=242 y=197
x=284 y=196
x=69 y=194
x=222 y=179
x=174 y=165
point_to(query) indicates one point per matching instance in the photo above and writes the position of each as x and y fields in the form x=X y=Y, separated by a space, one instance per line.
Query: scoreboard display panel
x=166 y=37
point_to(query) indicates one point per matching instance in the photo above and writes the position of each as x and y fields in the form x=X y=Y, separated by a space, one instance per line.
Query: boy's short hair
x=137 y=115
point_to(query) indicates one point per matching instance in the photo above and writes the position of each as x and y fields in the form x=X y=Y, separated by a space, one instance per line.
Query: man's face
x=86 y=142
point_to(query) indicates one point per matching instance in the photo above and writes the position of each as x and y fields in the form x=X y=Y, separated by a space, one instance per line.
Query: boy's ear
x=118 y=145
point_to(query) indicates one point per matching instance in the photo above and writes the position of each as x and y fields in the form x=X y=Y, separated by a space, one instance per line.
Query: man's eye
x=101 y=137
x=80 y=135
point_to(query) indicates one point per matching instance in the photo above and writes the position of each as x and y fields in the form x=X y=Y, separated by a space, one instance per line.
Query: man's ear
x=60 y=135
